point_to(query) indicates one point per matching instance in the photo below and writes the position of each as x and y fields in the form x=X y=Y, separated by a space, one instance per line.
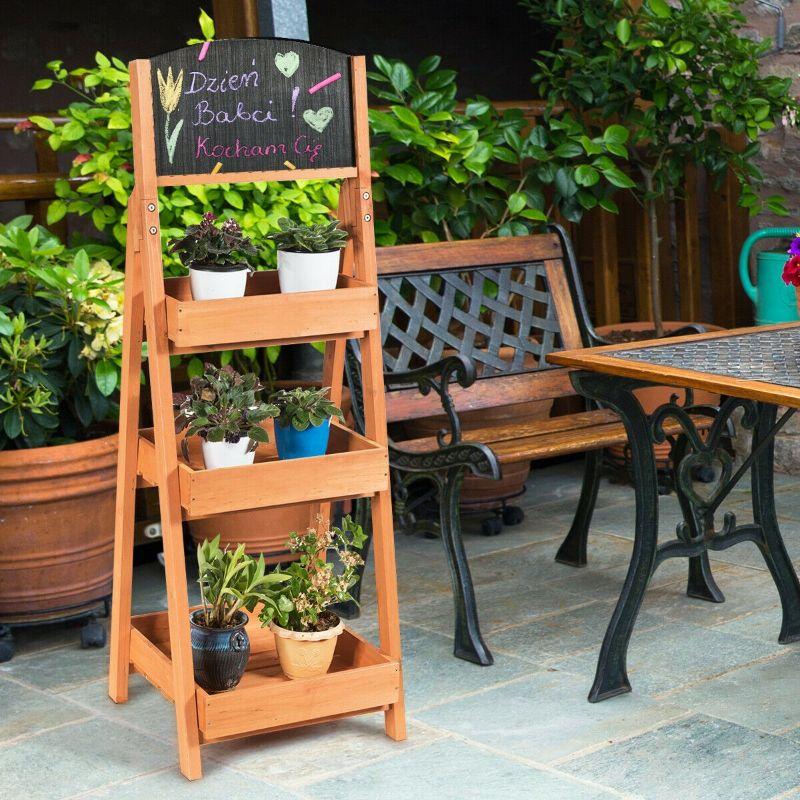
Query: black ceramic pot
x=219 y=654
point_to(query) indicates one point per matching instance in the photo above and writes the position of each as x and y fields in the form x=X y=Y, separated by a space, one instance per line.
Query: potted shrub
x=303 y=421
x=308 y=255
x=217 y=257
x=230 y=584
x=304 y=627
x=224 y=410
x=60 y=344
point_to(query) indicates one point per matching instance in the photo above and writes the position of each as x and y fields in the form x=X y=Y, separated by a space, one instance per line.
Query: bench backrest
x=504 y=303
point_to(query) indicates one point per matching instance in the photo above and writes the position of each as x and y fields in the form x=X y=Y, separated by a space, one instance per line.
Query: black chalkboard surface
x=250 y=105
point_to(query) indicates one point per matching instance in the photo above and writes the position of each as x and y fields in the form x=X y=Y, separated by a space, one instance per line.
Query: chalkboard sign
x=251 y=105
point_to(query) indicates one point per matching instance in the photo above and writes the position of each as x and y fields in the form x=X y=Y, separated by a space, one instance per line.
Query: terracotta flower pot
x=305 y=655
x=654 y=396
x=57 y=540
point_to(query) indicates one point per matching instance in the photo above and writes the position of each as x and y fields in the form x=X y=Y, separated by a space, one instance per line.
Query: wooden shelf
x=361 y=680
x=264 y=314
x=354 y=466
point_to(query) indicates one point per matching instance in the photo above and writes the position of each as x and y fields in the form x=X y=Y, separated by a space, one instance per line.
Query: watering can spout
x=773 y=300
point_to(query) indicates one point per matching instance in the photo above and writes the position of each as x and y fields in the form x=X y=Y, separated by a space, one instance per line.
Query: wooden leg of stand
x=133 y=324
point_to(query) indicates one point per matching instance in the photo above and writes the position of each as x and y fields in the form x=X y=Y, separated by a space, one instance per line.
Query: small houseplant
x=231 y=582
x=308 y=255
x=305 y=629
x=218 y=258
x=303 y=421
x=224 y=409
x=791 y=269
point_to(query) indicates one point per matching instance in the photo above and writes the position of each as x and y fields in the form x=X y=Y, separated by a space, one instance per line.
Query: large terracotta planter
x=56 y=529
x=654 y=396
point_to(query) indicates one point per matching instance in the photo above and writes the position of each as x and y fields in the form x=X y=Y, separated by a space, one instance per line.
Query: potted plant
x=231 y=582
x=303 y=421
x=217 y=257
x=304 y=627
x=224 y=410
x=308 y=255
x=60 y=345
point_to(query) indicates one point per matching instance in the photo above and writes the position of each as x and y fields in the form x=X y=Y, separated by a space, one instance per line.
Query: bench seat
x=546 y=438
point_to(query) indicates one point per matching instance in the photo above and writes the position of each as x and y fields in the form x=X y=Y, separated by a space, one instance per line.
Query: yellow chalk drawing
x=169 y=92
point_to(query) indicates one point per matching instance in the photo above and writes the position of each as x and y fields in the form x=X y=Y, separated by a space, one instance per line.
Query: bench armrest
x=437 y=377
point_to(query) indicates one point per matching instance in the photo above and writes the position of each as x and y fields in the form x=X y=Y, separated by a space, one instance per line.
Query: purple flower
x=794 y=248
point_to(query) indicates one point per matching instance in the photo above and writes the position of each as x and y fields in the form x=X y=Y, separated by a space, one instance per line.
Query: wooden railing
x=701 y=237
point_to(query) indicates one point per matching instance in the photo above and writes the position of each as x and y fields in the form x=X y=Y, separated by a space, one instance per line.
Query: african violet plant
x=447 y=172
x=302 y=408
x=212 y=245
x=60 y=337
x=323 y=237
x=224 y=406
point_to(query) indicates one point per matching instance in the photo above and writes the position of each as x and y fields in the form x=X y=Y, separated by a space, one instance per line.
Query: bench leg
x=573 y=548
x=469 y=643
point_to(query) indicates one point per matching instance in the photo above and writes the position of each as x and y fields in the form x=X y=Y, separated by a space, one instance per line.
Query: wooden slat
x=468 y=253
x=329 y=173
x=548 y=384
x=564 y=305
x=605 y=265
x=687 y=219
x=642 y=270
x=151 y=662
x=236 y=19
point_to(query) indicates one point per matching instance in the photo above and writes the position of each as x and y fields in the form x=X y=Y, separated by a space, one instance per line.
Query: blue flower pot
x=302 y=444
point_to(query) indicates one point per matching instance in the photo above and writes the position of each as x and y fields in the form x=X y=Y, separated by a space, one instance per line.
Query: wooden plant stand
x=364 y=678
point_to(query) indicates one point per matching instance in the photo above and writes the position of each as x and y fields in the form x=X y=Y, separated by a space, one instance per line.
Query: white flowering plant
x=314 y=583
x=60 y=337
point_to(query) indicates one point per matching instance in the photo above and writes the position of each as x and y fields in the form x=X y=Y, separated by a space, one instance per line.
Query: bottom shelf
x=361 y=679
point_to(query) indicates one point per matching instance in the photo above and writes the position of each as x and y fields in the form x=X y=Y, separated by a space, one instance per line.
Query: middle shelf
x=354 y=466
x=265 y=314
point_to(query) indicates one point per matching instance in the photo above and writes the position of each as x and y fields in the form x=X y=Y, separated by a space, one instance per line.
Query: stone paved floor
x=715 y=711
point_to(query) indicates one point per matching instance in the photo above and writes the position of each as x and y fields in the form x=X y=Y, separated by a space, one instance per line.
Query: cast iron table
x=755 y=370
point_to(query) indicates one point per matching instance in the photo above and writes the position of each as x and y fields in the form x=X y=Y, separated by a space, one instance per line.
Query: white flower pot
x=308 y=272
x=227 y=454
x=210 y=284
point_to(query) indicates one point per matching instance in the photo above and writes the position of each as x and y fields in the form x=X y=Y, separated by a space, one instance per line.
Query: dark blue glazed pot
x=219 y=654
x=302 y=444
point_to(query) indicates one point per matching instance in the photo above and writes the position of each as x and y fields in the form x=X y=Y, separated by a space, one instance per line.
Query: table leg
x=611 y=677
x=771 y=544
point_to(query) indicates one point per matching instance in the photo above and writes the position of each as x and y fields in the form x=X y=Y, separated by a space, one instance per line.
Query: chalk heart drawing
x=287 y=63
x=318 y=120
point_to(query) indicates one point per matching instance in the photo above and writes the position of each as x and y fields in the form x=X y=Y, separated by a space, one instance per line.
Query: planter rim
x=220 y=267
x=240 y=615
x=60 y=452
x=307 y=636
x=309 y=253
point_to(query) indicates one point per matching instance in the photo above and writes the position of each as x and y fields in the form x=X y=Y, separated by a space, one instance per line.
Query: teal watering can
x=774 y=301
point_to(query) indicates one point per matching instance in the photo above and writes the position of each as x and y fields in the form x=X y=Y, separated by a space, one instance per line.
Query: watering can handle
x=744 y=257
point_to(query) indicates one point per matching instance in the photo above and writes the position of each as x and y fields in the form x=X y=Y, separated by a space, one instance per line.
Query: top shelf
x=265 y=316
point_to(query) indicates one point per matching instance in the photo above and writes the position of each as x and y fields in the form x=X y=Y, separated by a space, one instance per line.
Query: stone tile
x=78 y=758
x=755 y=696
x=60 y=669
x=675 y=655
x=145 y=710
x=700 y=758
x=26 y=711
x=38 y=638
x=763 y=625
x=546 y=717
x=171 y=785
x=551 y=638
x=451 y=770
x=431 y=674
x=296 y=757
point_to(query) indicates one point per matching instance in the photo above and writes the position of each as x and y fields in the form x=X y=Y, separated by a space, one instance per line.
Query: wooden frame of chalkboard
x=364 y=677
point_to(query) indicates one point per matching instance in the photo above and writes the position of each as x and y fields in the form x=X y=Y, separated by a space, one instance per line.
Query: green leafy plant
x=234 y=581
x=313 y=583
x=320 y=238
x=224 y=406
x=214 y=246
x=447 y=173
x=678 y=77
x=303 y=407
x=60 y=337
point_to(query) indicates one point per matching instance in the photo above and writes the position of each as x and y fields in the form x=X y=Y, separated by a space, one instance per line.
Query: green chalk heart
x=287 y=63
x=318 y=120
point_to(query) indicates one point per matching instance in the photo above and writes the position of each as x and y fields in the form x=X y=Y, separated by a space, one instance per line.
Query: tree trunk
x=655 y=254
